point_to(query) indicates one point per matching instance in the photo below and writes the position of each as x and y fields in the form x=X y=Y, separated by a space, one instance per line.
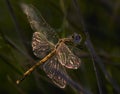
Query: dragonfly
x=46 y=44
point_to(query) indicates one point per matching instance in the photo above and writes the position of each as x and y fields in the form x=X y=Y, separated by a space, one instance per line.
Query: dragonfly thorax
x=63 y=40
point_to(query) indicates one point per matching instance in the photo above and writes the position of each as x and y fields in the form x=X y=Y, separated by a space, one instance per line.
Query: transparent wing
x=67 y=58
x=77 y=51
x=38 y=23
x=50 y=66
x=40 y=45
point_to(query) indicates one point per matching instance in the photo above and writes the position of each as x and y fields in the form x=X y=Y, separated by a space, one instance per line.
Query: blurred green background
x=102 y=20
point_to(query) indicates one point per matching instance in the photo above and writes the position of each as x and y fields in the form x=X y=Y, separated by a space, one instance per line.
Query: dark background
x=101 y=20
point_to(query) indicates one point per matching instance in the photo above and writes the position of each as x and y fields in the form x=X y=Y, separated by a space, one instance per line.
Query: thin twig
x=13 y=16
x=12 y=44
x=17 y=26
x=94 y=55
x=86 y=33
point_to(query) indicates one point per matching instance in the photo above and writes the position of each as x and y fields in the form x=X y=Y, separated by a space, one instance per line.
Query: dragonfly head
x=76 y=38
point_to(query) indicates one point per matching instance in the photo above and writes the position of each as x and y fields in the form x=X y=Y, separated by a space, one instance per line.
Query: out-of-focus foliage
x=102 y=20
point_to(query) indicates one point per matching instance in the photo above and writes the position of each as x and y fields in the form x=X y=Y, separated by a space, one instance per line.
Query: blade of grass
x=94 y=55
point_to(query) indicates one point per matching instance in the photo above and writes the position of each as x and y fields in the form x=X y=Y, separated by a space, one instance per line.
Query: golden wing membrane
x=40 y=45
x=66 y=57
x=50 y=68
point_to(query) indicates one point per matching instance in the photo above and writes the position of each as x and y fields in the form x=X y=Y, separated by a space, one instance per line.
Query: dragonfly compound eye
x=77 y=38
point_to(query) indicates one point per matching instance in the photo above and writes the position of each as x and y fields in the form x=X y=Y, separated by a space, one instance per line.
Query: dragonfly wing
x=38 y=23
x=50 y=66
x=40 y=45
x=67 y=58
